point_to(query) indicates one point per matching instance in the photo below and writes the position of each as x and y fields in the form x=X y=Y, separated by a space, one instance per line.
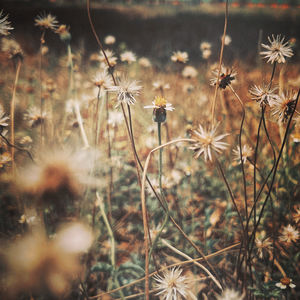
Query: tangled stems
x=227 y=249
x=274 y=173
x=12 y=114
x=213 y=106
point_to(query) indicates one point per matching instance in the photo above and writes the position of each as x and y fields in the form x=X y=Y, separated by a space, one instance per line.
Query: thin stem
x=196 y=263
x=110 y=183
x=42 y=40
x=12 y=115
x=219 y=67
x=217 y=253
x=112 y=238
x=231 y=194
x=80 y=124
x=143 y=200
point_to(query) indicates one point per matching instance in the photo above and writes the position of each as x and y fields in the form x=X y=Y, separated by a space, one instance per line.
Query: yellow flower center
x=160 y=101
x=285 y=280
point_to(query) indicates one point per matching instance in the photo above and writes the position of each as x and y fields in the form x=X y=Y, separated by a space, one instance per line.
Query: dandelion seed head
x=126 y=90
x=247 y=151
x=278 y=50
x=144 y=62
x=46 y=21
x=12 y=48
x=207 y=142
x=173 y=286
x=263 y=94
x=109 y=40
x=128 y=56
x=205 y=46
x=181 y=57
x=189 y=72
x=226 y=77
x=289 y=234
x=230 y=294
x=4 y=24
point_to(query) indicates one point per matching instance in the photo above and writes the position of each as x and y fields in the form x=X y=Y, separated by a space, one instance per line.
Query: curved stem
x=12 y=115
x=219 y=67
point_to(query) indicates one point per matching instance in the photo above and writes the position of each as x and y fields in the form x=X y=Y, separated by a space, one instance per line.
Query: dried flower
x=3 y=119
x=284 y=105
x=64 y=33
x=289 y=234
x=109 y=40
x=263 y=94
x=296 y=214
x=189 y=72
x=173 y=286
x=181 y=57
x=12 y=48
x=263 y=246
x=277 y=50
x=126 y=90
x=206 y=53
x=110 y=56
x=205 y=46
x=144 y=62
x=229 y=294
x=207 y=141
x=128 y=57
x=34 y=116
x=160 y=106
x=227 y=40
x=226 y=76
x=285 y=282
x=46 y=22
x=4 y=24
x=247 y=151
x=159 y=85
x=4 y=159
x=102 y=80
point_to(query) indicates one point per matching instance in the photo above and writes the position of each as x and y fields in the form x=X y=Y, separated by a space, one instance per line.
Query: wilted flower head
x=206 y=141
x=284 y=105
x=229 y=294
x=247 y=151
x=58 y=175
x=263 y=246
x=34 y=116
x=35 y=262
x=189 y=72
x=160 y=106
x=64 y=33
x=296 y=214
x=5 y=158
x=205 y=46
x=109 y=40
x=263 y=94
x=3 y=118
x=285 y=282
x=103 y=80
x=181 y=57
x=160 y=85
x=277 y=51
x=46 y=21
x=226 y=77
x=12 y=48
x=289 y=234
x=110 y=56
x=126 y=90
x=173 y=286
x=206 y=53
x=4 y=24
x=227 y=40
x=128 y=56
x=144 y=62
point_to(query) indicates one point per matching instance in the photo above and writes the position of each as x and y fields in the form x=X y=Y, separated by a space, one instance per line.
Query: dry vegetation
x=92 y=208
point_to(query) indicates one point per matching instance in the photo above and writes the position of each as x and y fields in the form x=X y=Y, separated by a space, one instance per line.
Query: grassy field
x=163 y=166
